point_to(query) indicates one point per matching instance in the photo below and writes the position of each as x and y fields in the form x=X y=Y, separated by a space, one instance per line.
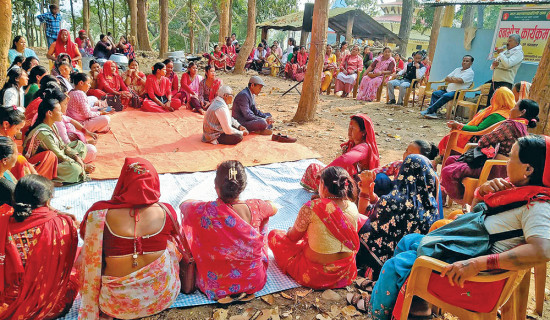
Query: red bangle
x=364 y=195
x=374 y=200
x=493 y=262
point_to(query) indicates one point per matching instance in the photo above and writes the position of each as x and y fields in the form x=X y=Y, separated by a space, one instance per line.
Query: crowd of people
x=363 y=224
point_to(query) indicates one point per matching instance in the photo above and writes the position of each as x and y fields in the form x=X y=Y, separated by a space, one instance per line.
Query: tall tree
x=99 y=17
x=250 y=38
x=405 y=26
x=191 y=28
x=143 y=32
x=540 y=91
x=73 y=25
x=5 y=36
x=436 y=25
x=132 y=4
x=163 y=8
x=312 y=81
x=113 y=19
x=467 y=17
x=224 y=21
x=86 y=15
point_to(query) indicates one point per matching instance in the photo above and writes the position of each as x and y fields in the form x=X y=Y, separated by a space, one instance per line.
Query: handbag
x=466 y=237
x=114 y=102
x=474 y=158
x=187 y=263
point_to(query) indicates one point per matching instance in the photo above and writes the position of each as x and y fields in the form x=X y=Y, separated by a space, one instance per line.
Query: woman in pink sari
x=382 y=65
x=227 y=237
x=351 y=66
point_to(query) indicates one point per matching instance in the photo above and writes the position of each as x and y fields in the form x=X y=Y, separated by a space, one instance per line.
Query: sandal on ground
x=365 y=284
x=359 y=300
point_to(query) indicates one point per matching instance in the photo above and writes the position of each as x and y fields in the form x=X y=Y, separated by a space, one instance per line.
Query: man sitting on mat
x=246 y=112
x=218 y=125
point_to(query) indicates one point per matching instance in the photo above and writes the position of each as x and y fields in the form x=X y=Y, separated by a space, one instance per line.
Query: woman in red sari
x=110 y=82
x=173 y=77
x=229 y=50
x=95 y=70
x=39 y=245
x=358 y=154
x=190 y=82
x=130 y=262
x=63 y=44
x=158 y=93
x=11 y=122
x=319 y=250
x=227 y=237
x=219 y=59
x=208 y=87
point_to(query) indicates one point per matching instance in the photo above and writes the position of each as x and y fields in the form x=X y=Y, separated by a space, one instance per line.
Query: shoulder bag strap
x=505 y=235
x=179 y=236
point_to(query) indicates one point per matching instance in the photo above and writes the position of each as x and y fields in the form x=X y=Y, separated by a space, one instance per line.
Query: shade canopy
x=364 y=26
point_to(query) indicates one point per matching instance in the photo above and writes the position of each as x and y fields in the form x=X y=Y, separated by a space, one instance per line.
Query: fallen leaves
x=268 y=299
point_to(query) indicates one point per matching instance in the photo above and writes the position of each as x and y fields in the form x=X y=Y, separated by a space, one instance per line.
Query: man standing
x=459 y=79
x=506 y=65
x=52 y=20
x=246 y=112
x=414 y=70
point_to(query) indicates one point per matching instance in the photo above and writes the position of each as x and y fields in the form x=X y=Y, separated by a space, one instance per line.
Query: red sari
x=231 y=254
x=291 y=259
x=231 y=54
x=219 y=61
x=38 y=279
x=69 y=48
x=112 y=83
x=162 y=90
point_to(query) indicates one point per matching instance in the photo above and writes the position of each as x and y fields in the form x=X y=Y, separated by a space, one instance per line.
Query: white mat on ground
x=278 y=182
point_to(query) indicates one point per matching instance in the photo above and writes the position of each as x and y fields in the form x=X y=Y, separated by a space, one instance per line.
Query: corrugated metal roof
x=364 y=26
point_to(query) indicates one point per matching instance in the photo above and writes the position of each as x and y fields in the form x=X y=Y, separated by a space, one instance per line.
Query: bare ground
x=395 y=127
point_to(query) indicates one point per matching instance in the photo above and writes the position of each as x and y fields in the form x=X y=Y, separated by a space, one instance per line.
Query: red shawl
x=336 y=222
x=138 y=186
x=68 y=48
x=37 y=289
x=525 y=193
x=372 y=155
x=301 y=59
x=110 y=82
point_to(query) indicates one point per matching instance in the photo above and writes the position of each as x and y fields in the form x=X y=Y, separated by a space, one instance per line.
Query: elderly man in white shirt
x=506 y=65
x=460 y=78
x=218 y=125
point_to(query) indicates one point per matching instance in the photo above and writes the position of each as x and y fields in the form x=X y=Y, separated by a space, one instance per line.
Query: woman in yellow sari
x=330 y=68
x=273 y=62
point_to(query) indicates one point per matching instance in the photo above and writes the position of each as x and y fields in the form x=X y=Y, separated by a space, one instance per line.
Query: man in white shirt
x=459 y=79
x=218 y=125
x=259 y=58
x=506 y=65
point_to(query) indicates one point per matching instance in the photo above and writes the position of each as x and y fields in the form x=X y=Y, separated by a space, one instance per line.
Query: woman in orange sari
x=501 y=103
x=11 y=122
x=319 y=250
x=39 y=245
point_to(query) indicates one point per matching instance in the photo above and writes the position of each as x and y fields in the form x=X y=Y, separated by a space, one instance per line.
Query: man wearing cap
x=246 y=112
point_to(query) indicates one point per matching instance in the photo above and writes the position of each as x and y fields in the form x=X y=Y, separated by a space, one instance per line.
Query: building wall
x=450 y=50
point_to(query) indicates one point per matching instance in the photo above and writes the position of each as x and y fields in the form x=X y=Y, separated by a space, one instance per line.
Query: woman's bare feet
x=89 y=168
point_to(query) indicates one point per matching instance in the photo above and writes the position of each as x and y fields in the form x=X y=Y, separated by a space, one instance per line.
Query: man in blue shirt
x=52 y=20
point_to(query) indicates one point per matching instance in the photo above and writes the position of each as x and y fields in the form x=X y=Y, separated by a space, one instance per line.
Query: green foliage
x=424 y=20
x=369 y=6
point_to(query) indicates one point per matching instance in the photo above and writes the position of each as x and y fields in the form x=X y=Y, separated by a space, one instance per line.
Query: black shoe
x=392 y=101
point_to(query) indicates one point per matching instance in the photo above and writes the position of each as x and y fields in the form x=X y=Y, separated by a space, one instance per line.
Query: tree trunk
x=163 y=8
x=303 y=37
x=5 y=37
x=349 y=28
x=448 y=17
x=250 y=38
x=113 y=20
x=56 y=2
x=73 y=25
x=480 y=16
x=106 y=15
x=438 y=16
x=224 y=21
x=467 y=17
x=230 y=24
x=191 y=28
x=540 y=91
x=132 y=4
x=143 y=33
x=264 y=33
x=406 y=25
x=86 y=16
x=99 y=17
x=312 y=81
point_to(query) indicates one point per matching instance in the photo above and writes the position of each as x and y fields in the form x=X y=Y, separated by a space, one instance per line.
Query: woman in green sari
x=43 y=136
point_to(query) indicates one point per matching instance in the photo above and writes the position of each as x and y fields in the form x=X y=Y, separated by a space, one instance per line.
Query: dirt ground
x=395 y=128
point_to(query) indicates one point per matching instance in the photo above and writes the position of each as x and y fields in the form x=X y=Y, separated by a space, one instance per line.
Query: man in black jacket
x=414 y=70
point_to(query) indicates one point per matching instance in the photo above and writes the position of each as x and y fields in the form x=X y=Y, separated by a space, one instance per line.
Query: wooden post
x=5 y=37
x=438 y=16
x=349 y=27
x=312 y=81
x=338 y=37
x=163 y=8
x=191 y=28
x=265 y=30
x=224 y=21
x=303 y=37
x=86 y=16
x=448 y=17
x=540 y=91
